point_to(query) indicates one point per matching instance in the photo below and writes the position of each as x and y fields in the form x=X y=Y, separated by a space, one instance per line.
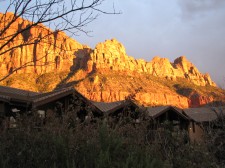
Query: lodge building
x=14 y=103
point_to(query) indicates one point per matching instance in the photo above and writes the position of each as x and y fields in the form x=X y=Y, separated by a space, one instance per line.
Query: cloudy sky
x=167 y=28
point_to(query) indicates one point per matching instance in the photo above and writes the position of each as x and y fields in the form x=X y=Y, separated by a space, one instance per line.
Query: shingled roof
x=202 y=114
x=109 y=107
x=51 y=96
x=36 y=98
x=154 y=112
x=54 y=95
x=8 y=93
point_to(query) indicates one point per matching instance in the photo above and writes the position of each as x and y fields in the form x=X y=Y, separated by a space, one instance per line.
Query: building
x=201 y=120
x=171 y=114
x=17 y=102
x=164 y=118
x=116 y=111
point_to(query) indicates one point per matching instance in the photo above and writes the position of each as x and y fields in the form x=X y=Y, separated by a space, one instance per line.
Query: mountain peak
x=111 y=56
x=181 y=59
x=59 y=59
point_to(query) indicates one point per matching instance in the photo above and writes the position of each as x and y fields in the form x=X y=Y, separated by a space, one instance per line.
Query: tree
x=71 y=16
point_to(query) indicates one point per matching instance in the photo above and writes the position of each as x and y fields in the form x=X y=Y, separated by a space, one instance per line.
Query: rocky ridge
x=111 y=55
x=40 y=50
x=105 y=73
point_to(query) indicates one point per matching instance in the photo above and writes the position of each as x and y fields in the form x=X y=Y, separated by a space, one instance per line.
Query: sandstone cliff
x=111 y=55
x=110 y=58
x=105 y=73
x=40 y=50
x=113 y=86
x=54 y=51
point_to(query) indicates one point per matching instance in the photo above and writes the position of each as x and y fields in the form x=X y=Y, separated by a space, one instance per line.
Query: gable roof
x=8 y=93
x=154 y=112
x=108 y=107
x=55 y=95
x=36 y=98
x=202 y=114
x=51 y=96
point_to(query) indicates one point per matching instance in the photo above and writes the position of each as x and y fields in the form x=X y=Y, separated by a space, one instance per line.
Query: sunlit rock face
x=54 y=58
x=146 y=99
x=55 y=51
x=190 y=72
x=47 y=50
x=197 y=100
x=111 y=55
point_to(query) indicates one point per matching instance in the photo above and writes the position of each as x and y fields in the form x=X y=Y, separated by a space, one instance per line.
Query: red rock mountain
x=49 y=51
x=111 y=56
x=105 y=73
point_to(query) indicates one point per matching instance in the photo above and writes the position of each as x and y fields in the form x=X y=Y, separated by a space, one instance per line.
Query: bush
x=96 y=145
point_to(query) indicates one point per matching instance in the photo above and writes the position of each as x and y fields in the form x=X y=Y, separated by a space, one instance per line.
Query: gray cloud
x=194 y=8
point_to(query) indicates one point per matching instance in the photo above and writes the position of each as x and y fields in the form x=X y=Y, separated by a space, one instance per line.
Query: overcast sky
x=167 y=28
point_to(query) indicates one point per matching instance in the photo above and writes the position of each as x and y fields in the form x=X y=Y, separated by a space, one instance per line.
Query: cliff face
x=54 y=51
x=106 y=73
x=114 y=86
x=111 y=56
x=40 y=49
x=147 y=90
